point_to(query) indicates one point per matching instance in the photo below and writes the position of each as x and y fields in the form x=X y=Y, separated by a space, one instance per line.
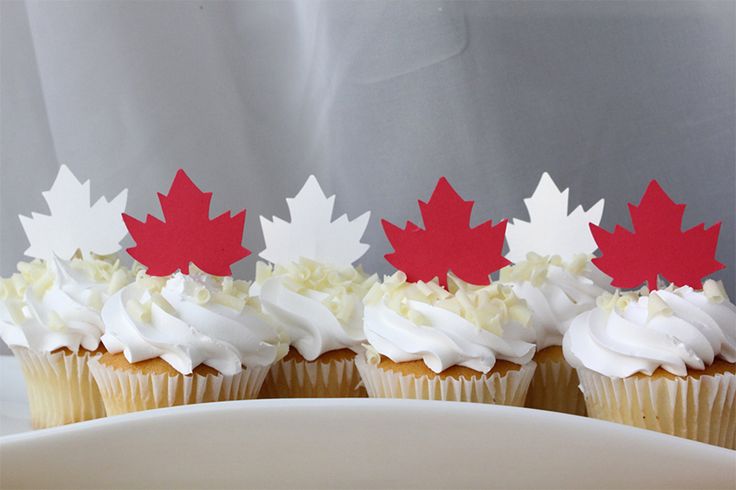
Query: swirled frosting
x=672 y=329
x=463 y=326
x=56 y=304
x=319 y=306
x=188 y=320
x=555 y=291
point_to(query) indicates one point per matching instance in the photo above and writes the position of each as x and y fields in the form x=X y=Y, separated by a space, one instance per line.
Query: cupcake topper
x=312 y=234
x=187 y=235
x=448 y=243
x=73 y=224
x=550 y=230
x=657 y=246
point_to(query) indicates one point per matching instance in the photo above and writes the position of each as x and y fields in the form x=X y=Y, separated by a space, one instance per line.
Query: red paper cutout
x=188 y=235
x=448 y=243
x=658 y=246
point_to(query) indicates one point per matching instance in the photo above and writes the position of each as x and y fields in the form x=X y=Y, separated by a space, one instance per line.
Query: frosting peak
x=674 y=329
x=189 y=320
x=487 y=307
x=52 y=304
x=319 y=306
x=461 y=326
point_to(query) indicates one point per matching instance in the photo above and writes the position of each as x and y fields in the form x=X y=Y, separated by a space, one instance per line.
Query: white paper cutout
x=550 y=230
x=312 y=234
x=73 y=224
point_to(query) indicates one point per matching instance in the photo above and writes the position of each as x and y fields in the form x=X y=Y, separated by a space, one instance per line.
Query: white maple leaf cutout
x=312 y=234
x=550 y=230
x=73 y=224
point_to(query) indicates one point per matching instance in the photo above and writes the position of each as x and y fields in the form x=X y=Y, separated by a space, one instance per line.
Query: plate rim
x=352 y=404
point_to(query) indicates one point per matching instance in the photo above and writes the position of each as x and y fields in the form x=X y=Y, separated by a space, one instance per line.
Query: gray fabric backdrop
x=377 y=99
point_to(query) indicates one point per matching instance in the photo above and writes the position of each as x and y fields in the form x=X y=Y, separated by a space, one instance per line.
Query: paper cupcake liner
x=555 y=387
x=126 y=391
x=60 y=387
x=292 y=378
x=702 y=409
x=510 y=389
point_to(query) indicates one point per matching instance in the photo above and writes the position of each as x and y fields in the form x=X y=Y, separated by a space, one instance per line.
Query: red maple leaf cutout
x=448 y=243
x=657 y=247
x=187 y=235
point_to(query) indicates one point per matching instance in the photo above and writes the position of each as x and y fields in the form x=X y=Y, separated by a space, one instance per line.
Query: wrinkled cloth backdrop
x=378 y=99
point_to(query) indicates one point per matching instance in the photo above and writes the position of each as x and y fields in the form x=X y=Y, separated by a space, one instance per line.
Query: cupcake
x=312 y=290
x=557 y=287
x=183 y=339
x=437 y=335
x=660 y=359
x=50 y=309
x=430 y=343
x=556 y=292
x=185 y=331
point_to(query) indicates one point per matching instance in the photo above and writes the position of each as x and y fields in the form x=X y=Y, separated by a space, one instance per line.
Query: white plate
x=356 y=443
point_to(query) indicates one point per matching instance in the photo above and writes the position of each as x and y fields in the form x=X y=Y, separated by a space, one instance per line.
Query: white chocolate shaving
x=119 y=279
x=536 y=267
x=139 y=311
x=714 y=291
x=94 y=300
x=202 y=295
x=657 y=306
x=231 y=301
x=371 y=354
x=160 y=301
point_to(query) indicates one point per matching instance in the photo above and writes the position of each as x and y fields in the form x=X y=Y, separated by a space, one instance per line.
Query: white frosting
x=319 y=306
x=555 y=292
x=188 y=320
x=674 y=329
x=422 y=321
x=56 y=304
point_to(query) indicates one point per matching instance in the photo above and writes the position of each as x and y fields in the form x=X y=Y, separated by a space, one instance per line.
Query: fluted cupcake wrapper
x=126 y=391
x=60 y=387
x=509 y=389
x=293 y=378
x=702 y=409
x=555 y=387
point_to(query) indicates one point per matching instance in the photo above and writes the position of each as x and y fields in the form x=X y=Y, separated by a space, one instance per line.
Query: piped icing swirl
x=188 y=320
x=555 y=291
x=673 y=329
x=55 y=304
x=463 y=326
x=319 y=306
